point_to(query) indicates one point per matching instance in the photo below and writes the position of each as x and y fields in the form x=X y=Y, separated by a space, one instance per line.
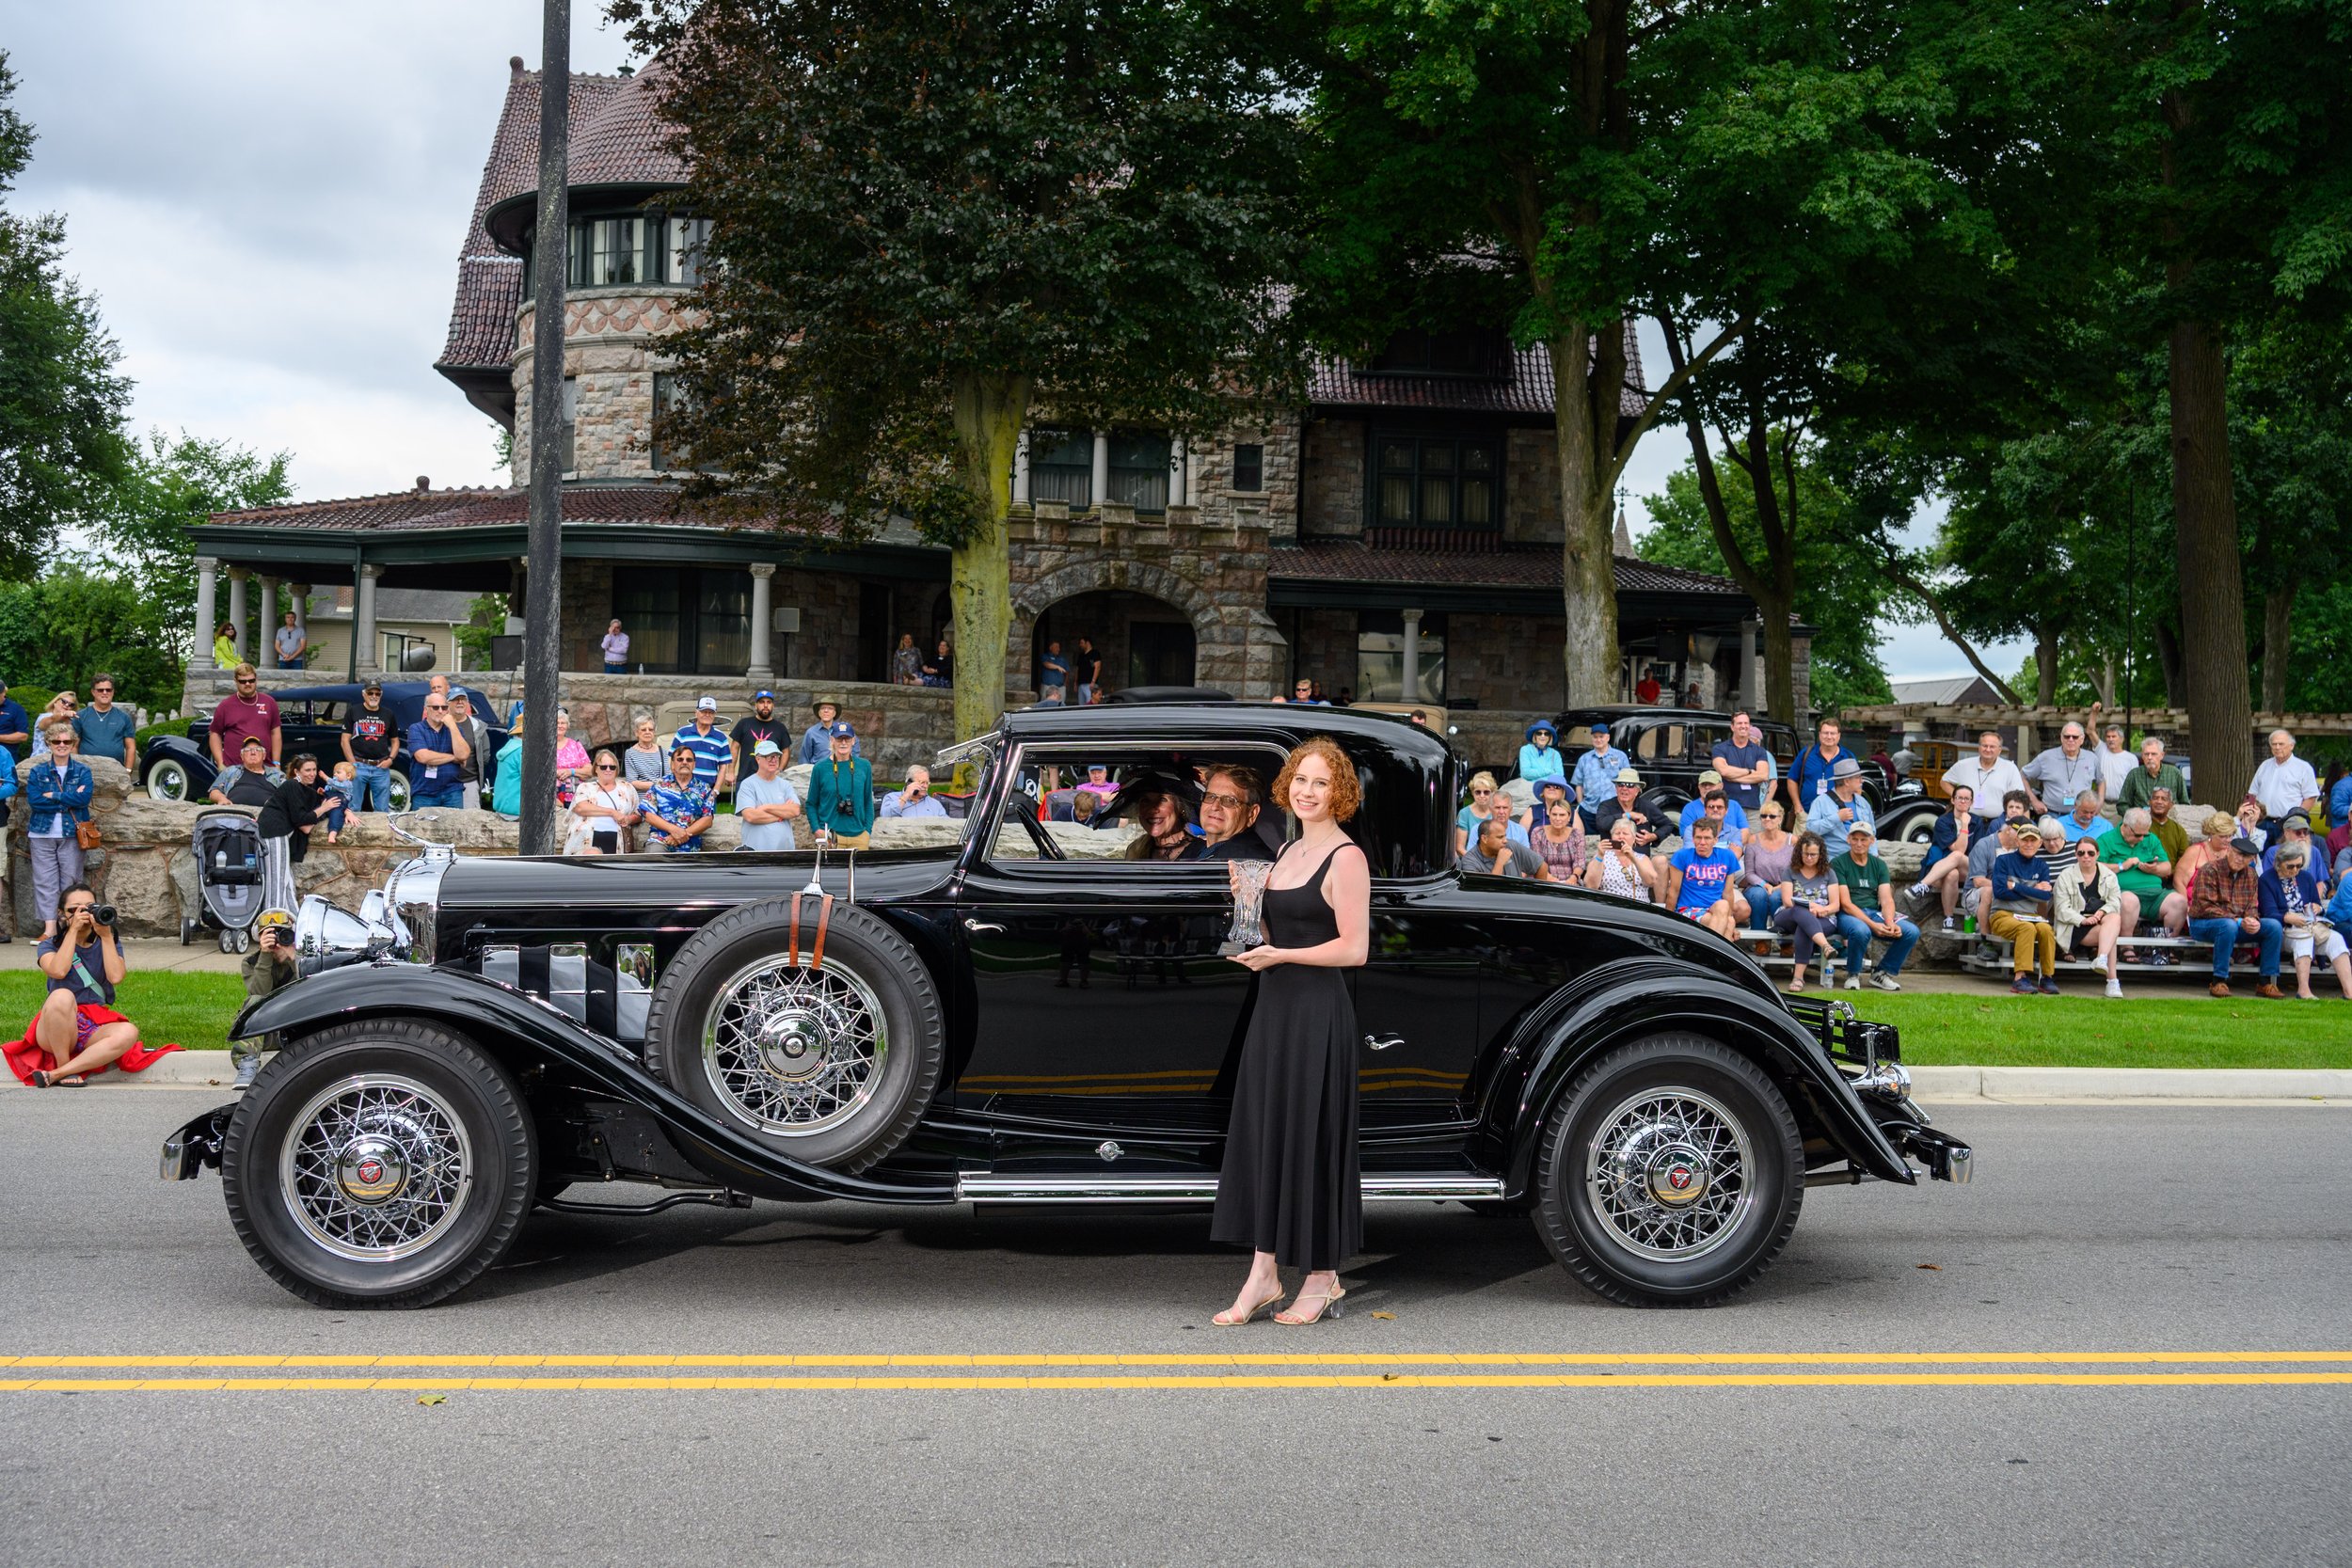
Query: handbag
x=86 y=835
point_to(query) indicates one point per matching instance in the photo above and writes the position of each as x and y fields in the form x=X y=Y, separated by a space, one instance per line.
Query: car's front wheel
x=167 y=779
x=397 y=790
x=1670 y=1173
x=386 y=1162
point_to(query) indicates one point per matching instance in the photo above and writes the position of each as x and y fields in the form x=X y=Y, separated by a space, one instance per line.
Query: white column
x=1411 y=692
x=267 y=651
x=237 y=576
x=207 y=619
x=1178 y=473
x=1101 y=467
x=299 y=600
x=763 y=617
x=364 y=623
x=1021 y=470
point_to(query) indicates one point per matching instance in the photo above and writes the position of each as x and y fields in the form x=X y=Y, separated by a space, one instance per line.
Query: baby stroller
x=228 y=879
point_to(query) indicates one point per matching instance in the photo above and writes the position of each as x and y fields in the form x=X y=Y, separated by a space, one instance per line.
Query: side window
x=1056 y=799
x=1661 y=743
x=325 y=713
x=1703 y=738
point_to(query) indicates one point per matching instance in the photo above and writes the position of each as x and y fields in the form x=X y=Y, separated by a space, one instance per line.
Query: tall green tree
x=932 y=218
x=62 y=401
x=171 y=484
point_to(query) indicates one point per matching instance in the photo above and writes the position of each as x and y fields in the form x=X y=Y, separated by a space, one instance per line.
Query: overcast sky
x=268 y=198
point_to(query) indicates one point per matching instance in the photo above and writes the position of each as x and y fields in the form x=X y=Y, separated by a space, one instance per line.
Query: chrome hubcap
x=375 y=1168
x=1668 y=1174
x=794 y=1050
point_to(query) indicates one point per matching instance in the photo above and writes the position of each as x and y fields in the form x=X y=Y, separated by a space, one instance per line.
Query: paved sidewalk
x=145 y=955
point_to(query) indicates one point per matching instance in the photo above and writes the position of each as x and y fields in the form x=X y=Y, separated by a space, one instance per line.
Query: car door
x=1101 y=1007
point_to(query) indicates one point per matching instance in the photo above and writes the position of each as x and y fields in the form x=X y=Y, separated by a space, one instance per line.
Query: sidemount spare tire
x=831 y=1041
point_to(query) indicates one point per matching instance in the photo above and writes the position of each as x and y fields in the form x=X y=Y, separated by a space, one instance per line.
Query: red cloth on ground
x=25 y=1056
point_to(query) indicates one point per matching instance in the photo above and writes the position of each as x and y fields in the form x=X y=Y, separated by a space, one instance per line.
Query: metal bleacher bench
x=1990 y=954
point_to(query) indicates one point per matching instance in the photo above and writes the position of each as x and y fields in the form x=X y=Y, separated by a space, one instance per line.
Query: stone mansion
x=1414 y=493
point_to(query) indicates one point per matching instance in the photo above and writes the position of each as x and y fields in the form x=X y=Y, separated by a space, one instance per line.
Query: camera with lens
x=103 y=914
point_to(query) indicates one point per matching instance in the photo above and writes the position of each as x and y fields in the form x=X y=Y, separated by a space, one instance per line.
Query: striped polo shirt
x=711 y=753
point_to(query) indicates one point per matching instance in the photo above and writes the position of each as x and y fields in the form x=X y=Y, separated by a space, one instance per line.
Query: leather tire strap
x=792 y=952
x=824 y=918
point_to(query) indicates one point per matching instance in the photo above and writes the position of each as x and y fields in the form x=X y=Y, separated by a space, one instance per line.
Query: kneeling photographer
x=268 y=969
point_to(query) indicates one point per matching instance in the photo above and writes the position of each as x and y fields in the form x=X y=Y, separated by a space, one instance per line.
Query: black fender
x=1621 y=1001
x=181 y=750
x=1899 y=816
x=523 y=1032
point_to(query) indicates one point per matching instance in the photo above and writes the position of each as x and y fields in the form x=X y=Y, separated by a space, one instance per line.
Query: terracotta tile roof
x=615 y=140
x=1528 y=389
x=646 y=505
x=1504 y=566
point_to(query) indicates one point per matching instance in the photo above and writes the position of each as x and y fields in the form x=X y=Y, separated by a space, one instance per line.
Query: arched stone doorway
x=1142 y=641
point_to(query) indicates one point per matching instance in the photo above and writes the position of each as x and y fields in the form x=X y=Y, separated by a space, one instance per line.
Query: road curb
x=202 y=1068
x=2129 y=1082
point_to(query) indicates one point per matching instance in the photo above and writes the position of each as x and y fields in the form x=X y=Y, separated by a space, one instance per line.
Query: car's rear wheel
x=386 y=1162
x=1670 y=1173
x=833 y=1062
x=167 y=779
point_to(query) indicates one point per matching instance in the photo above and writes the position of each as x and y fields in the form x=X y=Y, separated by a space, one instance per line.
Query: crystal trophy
x=1249 y=880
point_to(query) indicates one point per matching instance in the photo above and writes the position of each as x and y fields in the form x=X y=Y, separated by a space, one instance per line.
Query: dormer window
x=1469 y=352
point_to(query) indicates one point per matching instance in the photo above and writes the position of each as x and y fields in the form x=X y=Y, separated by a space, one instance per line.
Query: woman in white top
x=602 y=812
x=1621 y=869
x=644 y=763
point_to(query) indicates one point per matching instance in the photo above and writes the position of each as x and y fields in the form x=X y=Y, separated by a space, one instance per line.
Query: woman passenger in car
x=1167 y=824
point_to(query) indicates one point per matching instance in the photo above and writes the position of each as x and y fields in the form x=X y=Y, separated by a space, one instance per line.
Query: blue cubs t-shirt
x=1703 y=881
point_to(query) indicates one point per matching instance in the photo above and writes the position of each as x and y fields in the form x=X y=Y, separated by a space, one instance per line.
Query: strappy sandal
x=1328 y=1307
x=1795 y=988
x=1227 y=1320
x=76 y=1082
x=41 y=1079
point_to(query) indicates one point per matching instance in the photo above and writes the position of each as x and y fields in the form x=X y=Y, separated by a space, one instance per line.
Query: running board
x=1203 y=1189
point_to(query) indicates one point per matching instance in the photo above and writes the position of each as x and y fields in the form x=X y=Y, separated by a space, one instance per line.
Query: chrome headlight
x=412 y=902
x=329 y=938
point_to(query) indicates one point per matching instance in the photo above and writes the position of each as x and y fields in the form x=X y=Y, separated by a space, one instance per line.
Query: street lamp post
x=543 y=605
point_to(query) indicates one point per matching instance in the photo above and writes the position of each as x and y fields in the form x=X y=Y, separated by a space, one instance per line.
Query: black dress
x=1291 y=1184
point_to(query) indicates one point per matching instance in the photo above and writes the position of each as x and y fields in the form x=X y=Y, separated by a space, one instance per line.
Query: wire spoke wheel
x=795 y=1051
x=375 y=1168
x=1670 y=1174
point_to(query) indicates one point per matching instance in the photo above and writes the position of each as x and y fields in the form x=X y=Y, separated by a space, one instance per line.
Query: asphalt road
x=2090 y=1232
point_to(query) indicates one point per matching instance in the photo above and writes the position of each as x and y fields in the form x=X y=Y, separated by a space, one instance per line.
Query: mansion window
x=635 y=247
x=1248 y=466
x=1139 y=471
x=1437 y=481
x=1380 y=656
x=1061 y=467
x=686 y=620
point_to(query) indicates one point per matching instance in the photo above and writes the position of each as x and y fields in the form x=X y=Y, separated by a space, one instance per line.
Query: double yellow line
x=691 y=1373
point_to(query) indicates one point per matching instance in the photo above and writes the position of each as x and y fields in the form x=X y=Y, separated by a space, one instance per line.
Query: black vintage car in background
x=1006 y=1019
x=312 y=719
x=1670 y=747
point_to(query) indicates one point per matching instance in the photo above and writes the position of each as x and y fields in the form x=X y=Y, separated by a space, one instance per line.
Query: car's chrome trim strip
x=1202 y=1189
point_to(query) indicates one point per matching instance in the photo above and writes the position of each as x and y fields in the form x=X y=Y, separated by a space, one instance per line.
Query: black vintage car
x=312 y=719
x=1011 y=1018
x=1670 y=747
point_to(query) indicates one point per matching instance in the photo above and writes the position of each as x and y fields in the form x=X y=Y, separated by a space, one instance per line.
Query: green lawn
x=2003 y=1030
x=192 y=1010
x=1995 y=1030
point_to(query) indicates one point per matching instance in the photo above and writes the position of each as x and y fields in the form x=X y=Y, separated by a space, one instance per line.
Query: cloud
x=268 y=200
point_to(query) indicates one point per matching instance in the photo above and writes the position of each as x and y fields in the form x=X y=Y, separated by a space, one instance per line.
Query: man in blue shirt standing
x=16 y=726
x=1744 y=763
x=1053 y=681
x=1809 y=776
x=1594 y=784
x=436 y=747
x=714 y=754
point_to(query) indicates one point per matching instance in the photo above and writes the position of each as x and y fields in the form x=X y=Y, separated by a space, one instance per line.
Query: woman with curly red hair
x=1291 y=1189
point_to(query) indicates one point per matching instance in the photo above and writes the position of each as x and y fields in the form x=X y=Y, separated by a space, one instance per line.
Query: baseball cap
x=1626 y=775
x=763 y=696
x=767 y=748
x=2028 y=830
x=370 y=686
x=841 y=730
x=1596 y=729
x=1861 y=829
x=706 y=705
x=1708 y=776
x=255 y=741
x=2295 y=819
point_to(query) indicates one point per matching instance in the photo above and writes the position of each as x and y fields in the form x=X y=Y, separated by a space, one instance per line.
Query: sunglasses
x=2085 y=854
x=606 y=767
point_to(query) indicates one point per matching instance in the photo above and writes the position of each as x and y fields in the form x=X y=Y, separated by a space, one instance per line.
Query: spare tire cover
x=835 y=1057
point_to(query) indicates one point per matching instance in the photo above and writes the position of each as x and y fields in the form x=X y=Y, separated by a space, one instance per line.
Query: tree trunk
x=2168 y=666
x=1588 y=577
x=2045 y=662
x=2278 y=639
x=2213 y=611
x=988 y=414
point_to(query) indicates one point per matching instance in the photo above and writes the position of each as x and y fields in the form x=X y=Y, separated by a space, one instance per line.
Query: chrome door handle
x=1381 y=1043
x=979 y=927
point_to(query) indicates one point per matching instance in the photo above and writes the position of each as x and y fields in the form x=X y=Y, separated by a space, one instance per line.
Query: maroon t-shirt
x=236 y=718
